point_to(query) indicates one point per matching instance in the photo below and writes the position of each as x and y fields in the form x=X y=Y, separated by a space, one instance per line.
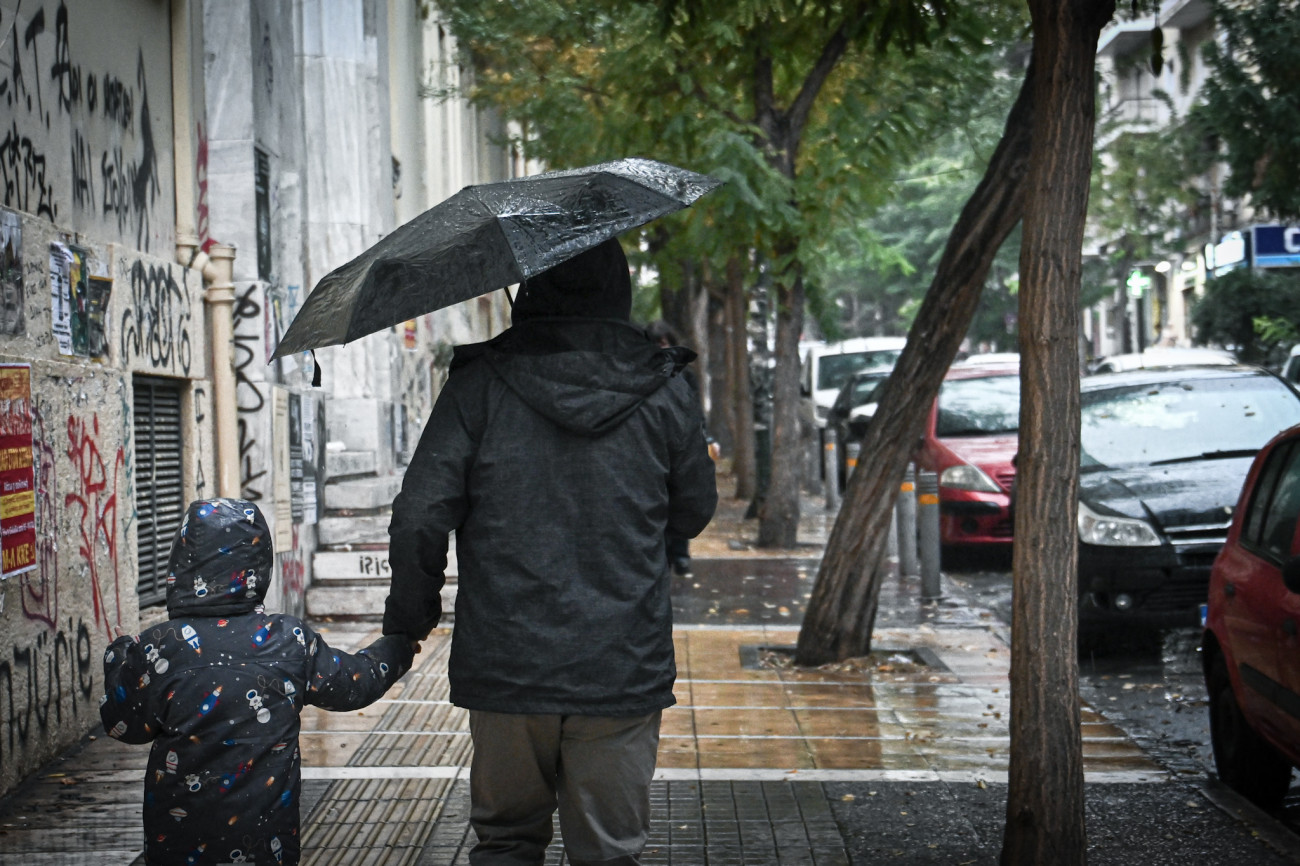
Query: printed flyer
x=17 y=478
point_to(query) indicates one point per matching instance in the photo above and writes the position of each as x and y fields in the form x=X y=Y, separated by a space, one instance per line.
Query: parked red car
x=1250 y=647
x=970 y=441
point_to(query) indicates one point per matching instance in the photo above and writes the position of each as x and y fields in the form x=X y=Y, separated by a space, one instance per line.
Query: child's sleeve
x=342 y=681
x=128 y=708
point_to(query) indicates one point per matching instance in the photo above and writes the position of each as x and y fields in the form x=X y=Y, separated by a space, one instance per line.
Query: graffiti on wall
x=84 y=137
x=41 y=681
x=250 y=396
x=157 y=319
x=93 y=499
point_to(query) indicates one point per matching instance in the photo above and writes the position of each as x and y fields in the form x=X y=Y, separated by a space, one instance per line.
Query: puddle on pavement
x=744 y=591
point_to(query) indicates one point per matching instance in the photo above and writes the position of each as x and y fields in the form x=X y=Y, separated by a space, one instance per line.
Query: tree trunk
x=742 y=397
x=1045 y=822
x=841 y=612
x=778 y=519
x=719 y=418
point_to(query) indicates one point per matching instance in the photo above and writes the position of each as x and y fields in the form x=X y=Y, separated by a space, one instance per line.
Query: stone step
x=332 y=566
x=339 y=464
x=363 y=494
x=335 y=531
x=363 y=600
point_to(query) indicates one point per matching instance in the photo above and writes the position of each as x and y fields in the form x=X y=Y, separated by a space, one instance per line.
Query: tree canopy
x=1252 y=101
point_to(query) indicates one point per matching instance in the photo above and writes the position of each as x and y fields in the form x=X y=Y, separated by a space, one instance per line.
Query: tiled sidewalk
x=744 y=747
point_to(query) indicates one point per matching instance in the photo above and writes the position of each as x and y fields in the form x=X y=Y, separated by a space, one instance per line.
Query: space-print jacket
x=218 y=689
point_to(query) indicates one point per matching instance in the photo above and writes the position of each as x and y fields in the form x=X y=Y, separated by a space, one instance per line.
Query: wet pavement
x=898 y=758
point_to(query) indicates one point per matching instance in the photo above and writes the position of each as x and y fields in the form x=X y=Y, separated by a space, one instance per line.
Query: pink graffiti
x=97 y=495
x=201 y=178
x=293 y=573
x=40 y=587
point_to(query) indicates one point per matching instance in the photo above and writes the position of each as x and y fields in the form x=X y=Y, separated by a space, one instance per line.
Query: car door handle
x=1229 y=590
x=1288 y=626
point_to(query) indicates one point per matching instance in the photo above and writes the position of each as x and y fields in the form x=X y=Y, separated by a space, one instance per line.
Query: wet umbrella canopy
x=487 y=237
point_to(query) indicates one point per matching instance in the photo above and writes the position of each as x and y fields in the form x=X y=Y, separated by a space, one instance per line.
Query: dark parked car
x=1164 y=455
x=851 y=412
x=1251 y=652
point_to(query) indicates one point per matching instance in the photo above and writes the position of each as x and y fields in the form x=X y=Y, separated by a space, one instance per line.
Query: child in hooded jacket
x=218 y=689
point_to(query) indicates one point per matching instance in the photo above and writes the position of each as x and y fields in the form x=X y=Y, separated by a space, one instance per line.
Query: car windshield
x=834 y=370
x=865 y=390
x=979 y=407
x=1191 y=419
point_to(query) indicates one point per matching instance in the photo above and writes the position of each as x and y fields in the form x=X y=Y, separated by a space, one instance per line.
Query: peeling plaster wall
x=56 y=620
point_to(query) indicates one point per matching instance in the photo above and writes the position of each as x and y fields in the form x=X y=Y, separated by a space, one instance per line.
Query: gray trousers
x=596 y=768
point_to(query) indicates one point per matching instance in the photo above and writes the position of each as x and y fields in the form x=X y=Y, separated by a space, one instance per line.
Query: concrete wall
x=85 y=117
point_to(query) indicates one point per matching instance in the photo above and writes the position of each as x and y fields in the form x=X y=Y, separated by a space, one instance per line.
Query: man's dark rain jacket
x=558 y=453
x=218 y=688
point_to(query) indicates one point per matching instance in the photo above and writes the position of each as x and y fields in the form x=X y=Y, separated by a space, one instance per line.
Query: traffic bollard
x=927 y=522
x=906 y=510
x=831 y=469
x=851 y=452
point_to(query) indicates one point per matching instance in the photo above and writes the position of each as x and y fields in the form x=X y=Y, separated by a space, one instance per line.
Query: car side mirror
x=1291 y=574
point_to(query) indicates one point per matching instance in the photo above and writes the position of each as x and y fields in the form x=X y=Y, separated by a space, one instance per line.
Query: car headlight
x=964 y=476
x=1106 y=531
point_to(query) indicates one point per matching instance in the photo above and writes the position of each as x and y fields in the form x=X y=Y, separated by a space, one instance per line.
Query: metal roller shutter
x=159 y=480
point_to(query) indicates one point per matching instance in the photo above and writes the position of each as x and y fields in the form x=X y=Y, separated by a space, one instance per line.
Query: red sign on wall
x=17 y=480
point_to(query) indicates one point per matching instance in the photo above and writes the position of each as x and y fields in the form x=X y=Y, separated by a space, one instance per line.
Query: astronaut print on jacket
x=218 y=688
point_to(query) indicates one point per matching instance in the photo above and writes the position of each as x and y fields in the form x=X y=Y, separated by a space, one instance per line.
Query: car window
x=1184 y=420
x=834 y=370
x=974 y=407
x=865 y=390
x=1283 y=509
x=1253 y=526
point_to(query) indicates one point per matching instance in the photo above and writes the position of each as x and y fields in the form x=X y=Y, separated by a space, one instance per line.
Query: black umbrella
x=486 y=237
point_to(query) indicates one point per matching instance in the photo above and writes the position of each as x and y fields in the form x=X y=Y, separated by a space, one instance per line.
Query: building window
x=159 y=480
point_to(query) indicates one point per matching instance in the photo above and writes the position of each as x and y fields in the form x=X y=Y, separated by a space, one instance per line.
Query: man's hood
x=221 y=560
x=585 y=375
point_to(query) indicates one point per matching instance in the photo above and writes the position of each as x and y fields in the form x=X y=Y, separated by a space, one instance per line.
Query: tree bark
x=1045 y=820
x=742 y=397
x=841 y=612
x=778 y=519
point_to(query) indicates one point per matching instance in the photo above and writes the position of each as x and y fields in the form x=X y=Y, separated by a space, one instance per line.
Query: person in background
x=560 y=453
x=218 y=688
x=678 y=546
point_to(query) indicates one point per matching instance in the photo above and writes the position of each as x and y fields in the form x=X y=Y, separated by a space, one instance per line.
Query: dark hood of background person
x=594 y=284
x=221 y=560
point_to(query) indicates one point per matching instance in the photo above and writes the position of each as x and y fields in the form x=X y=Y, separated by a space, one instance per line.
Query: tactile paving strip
x=387 y=822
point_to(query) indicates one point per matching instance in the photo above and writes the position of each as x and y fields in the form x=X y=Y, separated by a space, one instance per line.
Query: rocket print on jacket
x=218 y=688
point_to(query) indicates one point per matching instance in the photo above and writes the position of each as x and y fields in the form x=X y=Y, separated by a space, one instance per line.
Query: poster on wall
x=12 y=313
x=310 y=472
x=17 y=478
x=283 y=508
x=295 y=457
x=61 y=296
x=78 y=303
x=98 y=290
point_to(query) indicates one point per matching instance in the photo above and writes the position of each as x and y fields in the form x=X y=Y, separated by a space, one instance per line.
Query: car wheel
x=1244 y=759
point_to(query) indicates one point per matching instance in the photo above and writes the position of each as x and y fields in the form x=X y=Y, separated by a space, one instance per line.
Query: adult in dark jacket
x=218 y=689
x=558 y=453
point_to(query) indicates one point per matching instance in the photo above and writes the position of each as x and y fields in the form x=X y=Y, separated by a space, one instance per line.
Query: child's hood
x=221 y=560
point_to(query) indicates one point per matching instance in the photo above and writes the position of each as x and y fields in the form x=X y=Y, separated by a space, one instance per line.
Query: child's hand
x=118 y=631
x=415 y=646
